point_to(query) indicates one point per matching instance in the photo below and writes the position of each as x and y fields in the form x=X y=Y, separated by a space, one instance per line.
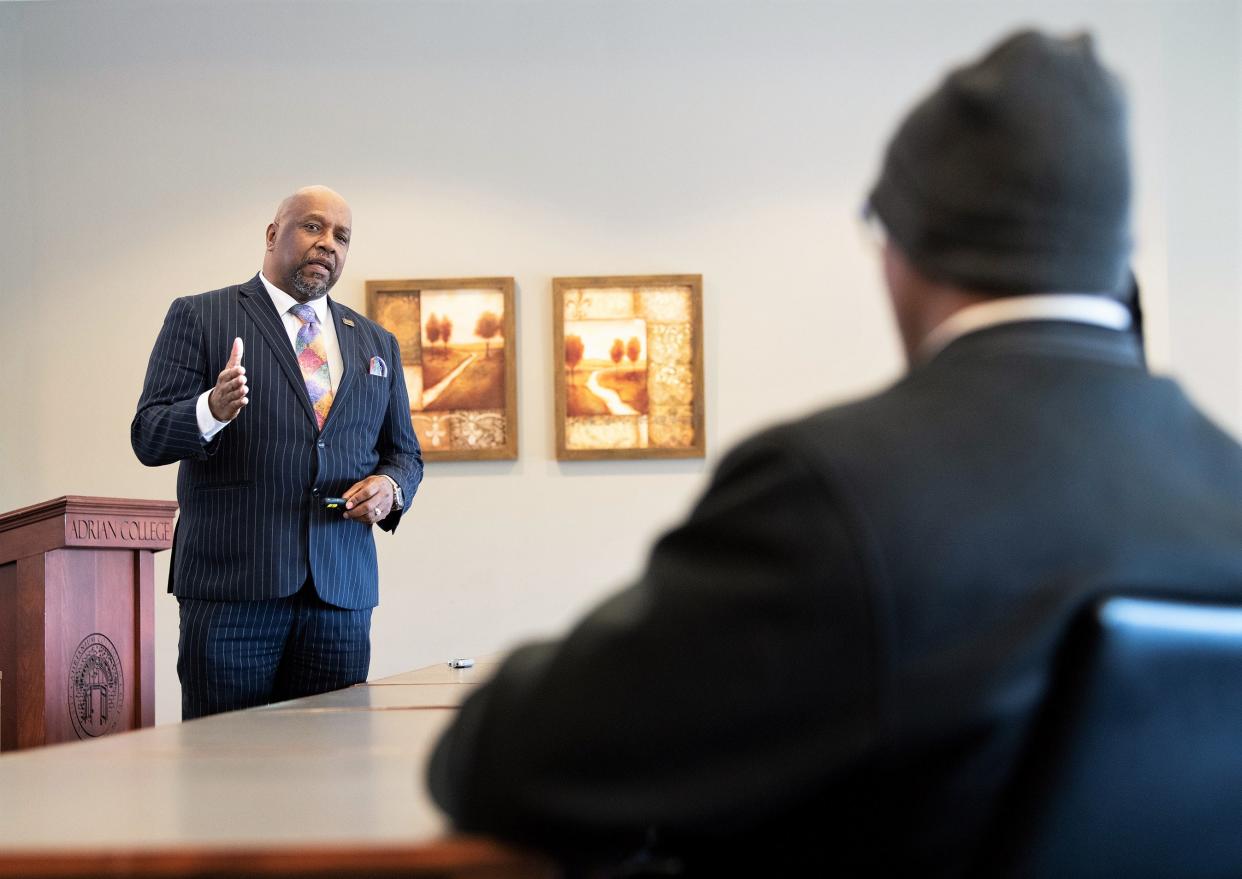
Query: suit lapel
x=258 y=305
x=347 y=340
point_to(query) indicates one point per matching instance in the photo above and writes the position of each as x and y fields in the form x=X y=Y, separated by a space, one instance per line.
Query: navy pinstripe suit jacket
x=251 y=525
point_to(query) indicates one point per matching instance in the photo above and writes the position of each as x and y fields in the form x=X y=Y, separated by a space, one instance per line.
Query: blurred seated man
x=829 y=667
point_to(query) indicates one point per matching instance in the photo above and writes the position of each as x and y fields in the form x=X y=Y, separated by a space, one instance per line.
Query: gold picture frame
x=641 y=337
x=459 y=354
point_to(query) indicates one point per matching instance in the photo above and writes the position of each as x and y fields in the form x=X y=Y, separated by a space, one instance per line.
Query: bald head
x=307 y=242
x=309 y=194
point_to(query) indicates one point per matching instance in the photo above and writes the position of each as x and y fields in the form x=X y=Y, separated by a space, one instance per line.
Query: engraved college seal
x=96 y=687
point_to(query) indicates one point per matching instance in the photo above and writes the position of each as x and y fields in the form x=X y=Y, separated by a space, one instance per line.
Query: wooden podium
x=77 y=618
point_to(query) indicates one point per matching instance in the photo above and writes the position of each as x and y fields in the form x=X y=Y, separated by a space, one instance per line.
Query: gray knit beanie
x=1014 y=175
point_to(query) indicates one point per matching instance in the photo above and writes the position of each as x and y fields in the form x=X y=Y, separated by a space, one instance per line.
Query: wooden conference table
x=330 y=785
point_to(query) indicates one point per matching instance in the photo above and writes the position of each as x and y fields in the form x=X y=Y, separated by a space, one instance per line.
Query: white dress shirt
x=208 y=426
x=1080 y=308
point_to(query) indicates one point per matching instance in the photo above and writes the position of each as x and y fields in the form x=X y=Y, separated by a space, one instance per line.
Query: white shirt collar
x=283 y=301
x=1080 y=308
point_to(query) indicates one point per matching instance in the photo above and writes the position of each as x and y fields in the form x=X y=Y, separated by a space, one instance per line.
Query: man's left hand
x=369 y=500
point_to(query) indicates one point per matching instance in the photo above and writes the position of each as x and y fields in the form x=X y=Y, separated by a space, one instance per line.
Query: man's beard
x=309 y=288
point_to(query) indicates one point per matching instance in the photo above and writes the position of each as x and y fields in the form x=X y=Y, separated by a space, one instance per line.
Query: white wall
x=144 y=146
x=16 y=244
x=1204 y=164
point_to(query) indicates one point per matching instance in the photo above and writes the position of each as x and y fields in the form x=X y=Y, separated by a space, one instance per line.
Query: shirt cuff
x=207 y=424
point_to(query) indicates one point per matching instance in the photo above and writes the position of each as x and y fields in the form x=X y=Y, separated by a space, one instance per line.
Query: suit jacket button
x=319 y=444
x=315 y=492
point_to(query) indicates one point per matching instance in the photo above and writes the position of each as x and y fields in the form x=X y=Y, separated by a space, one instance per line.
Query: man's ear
x=271 y=235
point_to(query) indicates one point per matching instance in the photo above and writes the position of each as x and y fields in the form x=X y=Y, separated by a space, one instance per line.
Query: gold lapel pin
x=347 y=322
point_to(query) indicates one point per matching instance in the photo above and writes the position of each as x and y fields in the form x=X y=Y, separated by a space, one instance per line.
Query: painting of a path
x=456 y=341
x=607 y=367
x=463 y=351
x=629 y=367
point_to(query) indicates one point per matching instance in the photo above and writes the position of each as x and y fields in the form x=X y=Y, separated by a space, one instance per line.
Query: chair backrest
x=1134 y=765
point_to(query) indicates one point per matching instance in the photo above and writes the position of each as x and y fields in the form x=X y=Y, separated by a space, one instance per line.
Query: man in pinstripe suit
x=273 y=397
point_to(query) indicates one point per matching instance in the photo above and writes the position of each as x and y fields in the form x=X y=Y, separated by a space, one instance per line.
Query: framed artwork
x=459 y=355
x=628 y=361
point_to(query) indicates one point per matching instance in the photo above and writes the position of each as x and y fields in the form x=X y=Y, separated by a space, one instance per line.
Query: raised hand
x=230 y=393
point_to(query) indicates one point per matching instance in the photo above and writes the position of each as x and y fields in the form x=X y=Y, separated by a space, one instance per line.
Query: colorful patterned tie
x=313 y=360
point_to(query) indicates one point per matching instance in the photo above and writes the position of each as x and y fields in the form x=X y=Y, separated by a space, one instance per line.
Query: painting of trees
x=457 y=340
x=631 y=386
x=574 y=349
x=486 y=329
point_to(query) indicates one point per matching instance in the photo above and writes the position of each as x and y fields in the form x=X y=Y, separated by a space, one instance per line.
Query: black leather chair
x=1134 y=766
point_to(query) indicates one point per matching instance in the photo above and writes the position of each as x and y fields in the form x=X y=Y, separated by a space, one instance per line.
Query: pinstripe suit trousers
x=238 y=654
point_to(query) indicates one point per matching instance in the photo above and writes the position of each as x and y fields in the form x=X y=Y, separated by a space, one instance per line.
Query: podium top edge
x=83 y=504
